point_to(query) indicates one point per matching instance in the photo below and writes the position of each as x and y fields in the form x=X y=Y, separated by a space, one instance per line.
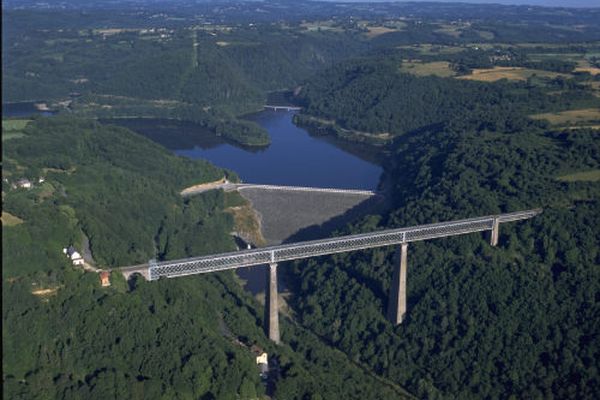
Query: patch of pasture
x=437 y=68
x=510 y=73
x=585 y=176
x=582 y=117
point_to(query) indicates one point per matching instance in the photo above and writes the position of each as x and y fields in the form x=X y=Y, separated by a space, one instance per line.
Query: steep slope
x=518 y=320
x=65 y=337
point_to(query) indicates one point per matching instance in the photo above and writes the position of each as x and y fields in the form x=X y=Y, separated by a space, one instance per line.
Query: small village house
x=262 y=360
x=73 y=255
x=24 y=183
x=263 y=364
x=105 y=278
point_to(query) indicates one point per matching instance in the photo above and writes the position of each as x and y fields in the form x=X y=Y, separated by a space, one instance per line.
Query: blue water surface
x=293 y=158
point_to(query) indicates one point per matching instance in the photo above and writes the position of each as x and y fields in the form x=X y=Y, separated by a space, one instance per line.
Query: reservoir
x=23 y=109
x=294 y=157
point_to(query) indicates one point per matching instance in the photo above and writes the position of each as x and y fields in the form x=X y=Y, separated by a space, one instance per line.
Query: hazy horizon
x=546 y=3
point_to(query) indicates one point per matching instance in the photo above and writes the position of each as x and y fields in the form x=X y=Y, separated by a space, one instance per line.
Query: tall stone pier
x=271 y=306
x=495 y=232
x=397 y=302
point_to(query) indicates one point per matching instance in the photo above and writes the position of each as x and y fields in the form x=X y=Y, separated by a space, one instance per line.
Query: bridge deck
x=295 y=251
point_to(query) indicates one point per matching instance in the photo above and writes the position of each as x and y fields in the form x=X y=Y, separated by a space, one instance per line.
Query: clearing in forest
x=510 y=73
x=585 y=176
x=585 y=117
x=374 y=31
x=10 y=220
x=13 y=128
x=450 y=30
x=591 y=70
x=428 y=48
x=329 y=25
x=419 y=68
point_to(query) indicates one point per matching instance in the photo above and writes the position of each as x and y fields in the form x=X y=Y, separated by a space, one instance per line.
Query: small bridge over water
x=301 y=250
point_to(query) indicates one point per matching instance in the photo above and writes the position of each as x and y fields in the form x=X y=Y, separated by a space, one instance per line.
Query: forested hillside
x=206 y=76
x=375 y=96
x=225 y=70
x=517 y=321
x=66 y=337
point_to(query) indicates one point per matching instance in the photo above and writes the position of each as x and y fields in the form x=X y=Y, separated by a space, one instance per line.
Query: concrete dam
x=301 y=213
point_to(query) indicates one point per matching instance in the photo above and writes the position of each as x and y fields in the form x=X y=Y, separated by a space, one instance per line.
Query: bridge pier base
x=397 y=299
x=271 y=306
x=495 y=233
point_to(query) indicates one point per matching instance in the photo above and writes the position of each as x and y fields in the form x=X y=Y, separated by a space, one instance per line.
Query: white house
x=24 y=183
x=73 y=255
x=262 y=361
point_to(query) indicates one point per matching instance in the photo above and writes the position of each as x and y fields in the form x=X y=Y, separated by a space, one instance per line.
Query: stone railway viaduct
x=275 y=254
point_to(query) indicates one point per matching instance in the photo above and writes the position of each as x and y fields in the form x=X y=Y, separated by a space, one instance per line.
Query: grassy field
x=374 y=31
x=437 y=68
x=581 y=117
x=586 y=176
x=487 y=35
x=321 y=26
x=582 y=60
x=591 y=70
x=450 y=30
x=10 y=220
x=430 y=49
x=11 y=135
x=510 y=73
x=14 y=124
x=13 y=128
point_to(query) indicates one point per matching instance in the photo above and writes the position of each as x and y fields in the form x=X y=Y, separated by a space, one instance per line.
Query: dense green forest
x=372 y=95
x=512 y=322
x=207 y=77
x=178 y=339
x=518 y=321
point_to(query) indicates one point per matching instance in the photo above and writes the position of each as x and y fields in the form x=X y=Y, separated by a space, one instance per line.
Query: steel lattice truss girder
x=296 y=251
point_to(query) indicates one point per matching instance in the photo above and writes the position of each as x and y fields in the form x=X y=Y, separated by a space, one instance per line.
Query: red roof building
x=105 y=278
